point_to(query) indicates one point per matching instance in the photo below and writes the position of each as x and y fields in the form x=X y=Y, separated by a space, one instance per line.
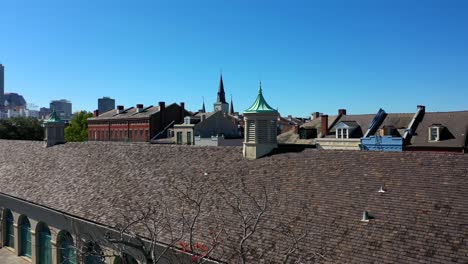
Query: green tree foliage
x=21 y=128
x=77 y=130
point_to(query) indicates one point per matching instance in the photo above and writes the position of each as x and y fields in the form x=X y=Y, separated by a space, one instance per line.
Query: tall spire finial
x=260 y=88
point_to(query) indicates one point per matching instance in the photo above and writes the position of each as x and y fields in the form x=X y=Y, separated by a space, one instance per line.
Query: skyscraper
x=2 y=87
x=105 y=104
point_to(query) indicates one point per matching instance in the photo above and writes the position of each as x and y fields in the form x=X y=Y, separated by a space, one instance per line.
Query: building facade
x=62 y=107
x=2 y=86
x=105 y=104
x=137 y=124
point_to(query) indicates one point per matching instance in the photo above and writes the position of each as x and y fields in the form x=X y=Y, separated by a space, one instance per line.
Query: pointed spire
x=231 y=109
x=221 y=94
x=203 y=106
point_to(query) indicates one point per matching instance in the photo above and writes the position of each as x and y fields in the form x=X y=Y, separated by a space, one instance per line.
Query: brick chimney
x=162 y=106
x=96 y=113
x=341 y=111
x=324 y=125
x=182 y=111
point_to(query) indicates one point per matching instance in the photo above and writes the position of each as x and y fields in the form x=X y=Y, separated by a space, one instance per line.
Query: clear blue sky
x=309 y=55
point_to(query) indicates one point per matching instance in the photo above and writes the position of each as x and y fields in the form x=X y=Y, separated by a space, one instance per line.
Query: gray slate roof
x=455 y=122
x=423 y=216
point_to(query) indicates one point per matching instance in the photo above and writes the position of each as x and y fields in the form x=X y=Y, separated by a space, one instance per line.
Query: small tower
x=260 y=128
x=221 y=104
x=54 y=130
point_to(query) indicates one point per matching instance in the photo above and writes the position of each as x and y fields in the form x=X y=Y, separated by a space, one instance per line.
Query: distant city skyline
x=310 y=56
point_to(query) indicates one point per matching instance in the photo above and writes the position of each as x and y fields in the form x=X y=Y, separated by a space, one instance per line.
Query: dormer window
x=342 y=133
x=435 y=132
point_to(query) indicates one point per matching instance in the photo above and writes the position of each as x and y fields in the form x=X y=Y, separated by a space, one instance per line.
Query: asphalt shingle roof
x=423 y=216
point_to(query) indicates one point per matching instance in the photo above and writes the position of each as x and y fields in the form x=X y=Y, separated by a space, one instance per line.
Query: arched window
x=93 y=254
x=66 y=252
x=125 y=259
x=9 y=236
x=25 y=236
x=44 y=247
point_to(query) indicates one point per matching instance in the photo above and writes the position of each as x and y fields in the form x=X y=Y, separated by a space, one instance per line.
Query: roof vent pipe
x=365 y=216
x=381 y=190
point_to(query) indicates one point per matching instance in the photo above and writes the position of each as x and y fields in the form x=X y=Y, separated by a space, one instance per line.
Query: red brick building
x=137 y=124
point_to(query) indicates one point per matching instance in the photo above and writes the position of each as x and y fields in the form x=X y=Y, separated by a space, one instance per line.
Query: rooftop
x=422 y=217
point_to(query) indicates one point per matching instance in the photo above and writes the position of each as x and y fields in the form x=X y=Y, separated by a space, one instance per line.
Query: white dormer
x=435 y=132
x=345 y=129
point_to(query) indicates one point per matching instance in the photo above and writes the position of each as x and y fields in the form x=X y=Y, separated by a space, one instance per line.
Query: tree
x=21 y=128
x=228 y=221
x=77 y=130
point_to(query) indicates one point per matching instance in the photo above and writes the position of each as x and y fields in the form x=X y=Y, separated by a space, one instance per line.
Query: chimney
x=341 y=111
x=120 y=109
x=182 y=110
x=324 y=125
x=139 y=108
x=96 y=113
x=162 y=106
x=315 y=115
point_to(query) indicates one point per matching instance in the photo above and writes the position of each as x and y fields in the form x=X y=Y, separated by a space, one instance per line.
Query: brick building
x=140 y=124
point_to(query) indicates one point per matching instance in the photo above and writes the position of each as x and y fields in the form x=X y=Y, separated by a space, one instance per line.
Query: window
x=44 y=247
x=179 y=137
x=130 y=134
x=9 y=231
x=338 y=133
x=189 y=138
x=66 y=247
x=434 y=133
x=25 y=236
x=146 y=135
x=342 y=133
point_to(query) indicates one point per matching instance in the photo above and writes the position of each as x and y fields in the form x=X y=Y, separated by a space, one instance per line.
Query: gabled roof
x=422 y=218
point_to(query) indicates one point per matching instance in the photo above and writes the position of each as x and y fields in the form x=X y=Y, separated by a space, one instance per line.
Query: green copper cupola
x=260 y=128
x=260 y=105
x=53 y=118
x=54 y=130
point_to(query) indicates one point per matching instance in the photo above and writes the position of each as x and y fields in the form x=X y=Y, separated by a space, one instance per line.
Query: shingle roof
x=127 y=113
x=423 y=216
x=455 y=122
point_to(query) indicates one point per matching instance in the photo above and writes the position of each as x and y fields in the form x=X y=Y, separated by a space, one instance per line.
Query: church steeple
x=203 y=109
x=221 y=104
x=221 y=94
x=231 y=109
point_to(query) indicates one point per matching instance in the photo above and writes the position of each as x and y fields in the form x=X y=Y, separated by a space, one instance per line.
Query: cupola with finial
x=260 y=128
x=54 y=130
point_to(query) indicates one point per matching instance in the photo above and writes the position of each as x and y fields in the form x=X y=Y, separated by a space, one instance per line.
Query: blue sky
x=309 y=55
